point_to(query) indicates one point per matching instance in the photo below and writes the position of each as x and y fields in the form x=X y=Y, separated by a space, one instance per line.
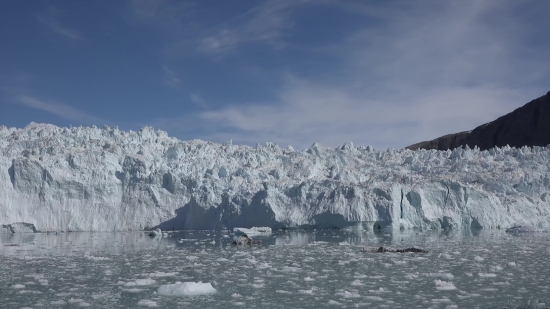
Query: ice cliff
x=104 y=179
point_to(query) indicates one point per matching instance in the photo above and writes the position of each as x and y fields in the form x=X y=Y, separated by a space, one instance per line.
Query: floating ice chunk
x=186 y=289
x=377 y=298
x=18 y=286
x=290 y=269
x=282 y=292
x=308 y=279
x=487 y=275
x=155 y=233
x=252 y=231
x=74 y=300
x=159 y=274
x=479 y=258
x=444 y=285
x=346 y=294
x=444 y=276
x=140 y=282
x=236 y=295
x=147 y=303
x=357 y=283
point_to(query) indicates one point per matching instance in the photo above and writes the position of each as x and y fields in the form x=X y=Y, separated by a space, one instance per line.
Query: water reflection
x=120 y=242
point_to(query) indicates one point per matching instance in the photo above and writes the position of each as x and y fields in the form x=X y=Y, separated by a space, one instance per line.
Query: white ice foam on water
x=186 y=289
x=18 y=286
x=91 y=179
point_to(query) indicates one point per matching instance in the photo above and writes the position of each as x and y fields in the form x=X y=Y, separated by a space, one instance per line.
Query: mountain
x=528 y=125
x=104 y=179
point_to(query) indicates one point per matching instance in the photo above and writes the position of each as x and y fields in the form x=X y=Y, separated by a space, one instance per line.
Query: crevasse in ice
x=104 y=179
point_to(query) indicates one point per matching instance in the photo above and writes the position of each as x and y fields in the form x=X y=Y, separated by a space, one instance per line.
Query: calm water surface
x=291 y=269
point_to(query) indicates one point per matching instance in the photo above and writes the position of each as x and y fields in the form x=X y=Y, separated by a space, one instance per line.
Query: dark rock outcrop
x=528 y=125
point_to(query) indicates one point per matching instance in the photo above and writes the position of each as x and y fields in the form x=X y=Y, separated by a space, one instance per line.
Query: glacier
x=105 y=179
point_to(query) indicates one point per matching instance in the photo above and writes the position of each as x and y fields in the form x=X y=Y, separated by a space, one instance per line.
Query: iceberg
x=105 y=179
x=252 y=231
x=180 y=289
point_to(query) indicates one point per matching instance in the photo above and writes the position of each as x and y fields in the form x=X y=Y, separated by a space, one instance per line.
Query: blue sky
x=380 y=73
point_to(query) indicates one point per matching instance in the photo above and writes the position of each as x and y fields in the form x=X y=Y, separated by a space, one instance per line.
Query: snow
x=104 y=179
x=186 y=289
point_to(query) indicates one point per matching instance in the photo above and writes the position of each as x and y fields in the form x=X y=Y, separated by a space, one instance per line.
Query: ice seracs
x=104 y=179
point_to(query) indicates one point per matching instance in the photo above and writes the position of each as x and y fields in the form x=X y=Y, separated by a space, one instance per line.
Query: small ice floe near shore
x=252 y=231
x=186 y=289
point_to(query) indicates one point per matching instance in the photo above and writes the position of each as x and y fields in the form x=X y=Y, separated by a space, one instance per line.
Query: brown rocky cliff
x=528 y=125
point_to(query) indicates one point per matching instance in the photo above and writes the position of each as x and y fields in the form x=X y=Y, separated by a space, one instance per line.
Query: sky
x=293 y=72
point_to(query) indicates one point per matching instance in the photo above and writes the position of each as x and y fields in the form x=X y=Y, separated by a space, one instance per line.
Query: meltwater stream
x=291 y=269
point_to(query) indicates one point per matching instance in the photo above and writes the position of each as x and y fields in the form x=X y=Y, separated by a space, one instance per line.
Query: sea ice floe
x=444 y=276
x=147 y=303
x=346 y=294
x=139 y=282
x=444 y=285
x=186 y=289
x=252 y=231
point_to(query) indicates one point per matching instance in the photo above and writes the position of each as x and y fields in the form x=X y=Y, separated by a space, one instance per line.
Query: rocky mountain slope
x=104 y=179
x=528 y=125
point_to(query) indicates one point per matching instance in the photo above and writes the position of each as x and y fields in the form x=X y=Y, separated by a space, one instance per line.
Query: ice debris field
x=104 y=179
x=291 y=269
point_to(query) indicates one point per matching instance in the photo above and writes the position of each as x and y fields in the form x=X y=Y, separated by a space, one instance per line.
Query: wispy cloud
x=171 y=78
x=197 y=100
x=60 y=110
x=51 y=19
x=264 y=23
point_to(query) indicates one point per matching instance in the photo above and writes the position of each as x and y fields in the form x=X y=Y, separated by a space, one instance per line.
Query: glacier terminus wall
x=104 y=179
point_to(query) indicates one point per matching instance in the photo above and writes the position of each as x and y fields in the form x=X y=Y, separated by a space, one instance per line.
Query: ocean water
x=291 y=269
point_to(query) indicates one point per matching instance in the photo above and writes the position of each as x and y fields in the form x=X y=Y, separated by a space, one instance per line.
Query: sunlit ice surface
x=290 y=269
